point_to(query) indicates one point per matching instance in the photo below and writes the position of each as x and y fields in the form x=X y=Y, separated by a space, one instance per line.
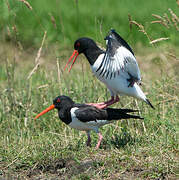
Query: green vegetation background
x=66 y=20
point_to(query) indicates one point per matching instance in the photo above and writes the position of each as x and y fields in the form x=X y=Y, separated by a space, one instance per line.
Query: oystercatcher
x=86 y=117
x=116 y=67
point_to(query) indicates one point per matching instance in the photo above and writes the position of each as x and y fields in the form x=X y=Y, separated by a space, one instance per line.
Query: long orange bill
x=45 y=111
x=75 y=53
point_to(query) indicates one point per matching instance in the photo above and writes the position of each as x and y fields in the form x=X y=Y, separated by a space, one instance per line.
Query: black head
x=62 y=101
x=84 y=43
x=86 y=46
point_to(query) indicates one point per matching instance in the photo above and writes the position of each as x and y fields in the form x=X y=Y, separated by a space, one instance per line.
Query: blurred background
x=66 y=20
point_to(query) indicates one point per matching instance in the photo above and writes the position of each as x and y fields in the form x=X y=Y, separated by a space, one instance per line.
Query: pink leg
x=112 y=101
x=105 y=104
x=99 y=140
x=88 y=142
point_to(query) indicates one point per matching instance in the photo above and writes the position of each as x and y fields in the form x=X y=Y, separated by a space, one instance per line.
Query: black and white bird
x=86 y=117
x=116 y=67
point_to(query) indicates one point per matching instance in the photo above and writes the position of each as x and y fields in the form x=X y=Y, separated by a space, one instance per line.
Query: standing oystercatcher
x=85 y=117
x=116 y=67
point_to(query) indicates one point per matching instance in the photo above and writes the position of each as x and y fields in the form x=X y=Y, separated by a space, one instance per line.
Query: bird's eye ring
x=58 y=100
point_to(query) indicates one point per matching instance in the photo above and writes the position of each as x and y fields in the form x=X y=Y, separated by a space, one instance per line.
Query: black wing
x=87 y=113
x=118 y=40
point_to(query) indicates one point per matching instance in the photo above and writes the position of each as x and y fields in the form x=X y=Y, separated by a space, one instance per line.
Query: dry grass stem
x=58 y=69
x=27 y=4
x=130 y=19
x=173 y=56
x=158 y=40
x=7 y=3
x=33 y=70
x=175 y=24
x=40 y=49
x=53 y=21
x=158 y=17
x=43 y=86
x=158 y=21
x=161 y=22
x=37 y=62
x=8 y=31
x=59 y=75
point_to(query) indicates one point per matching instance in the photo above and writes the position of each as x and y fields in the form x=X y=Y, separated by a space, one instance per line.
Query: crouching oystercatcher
x=86 y=117
x=116 y=67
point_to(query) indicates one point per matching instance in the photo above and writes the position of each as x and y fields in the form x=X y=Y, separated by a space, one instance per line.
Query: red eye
x=58 y=100
x=78 y=44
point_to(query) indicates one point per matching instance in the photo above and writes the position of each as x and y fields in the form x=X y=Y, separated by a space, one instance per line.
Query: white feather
x=119 y=84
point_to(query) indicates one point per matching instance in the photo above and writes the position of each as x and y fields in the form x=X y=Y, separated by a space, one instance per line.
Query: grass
x=47 y=148
x=31 y=78
x=66 y=20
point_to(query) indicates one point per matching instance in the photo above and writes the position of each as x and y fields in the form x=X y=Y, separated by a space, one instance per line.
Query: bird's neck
x=92 y=54
x=65 y=115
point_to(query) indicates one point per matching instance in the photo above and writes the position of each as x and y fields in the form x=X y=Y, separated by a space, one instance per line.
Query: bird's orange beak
x=75 y=53
x=45 y=111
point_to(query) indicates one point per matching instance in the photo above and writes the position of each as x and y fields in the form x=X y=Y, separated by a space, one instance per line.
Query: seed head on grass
x=140 y=26
x=174 y=15
x=53 y=20
x=27 y=4
x=166 y=20
x=158 y=40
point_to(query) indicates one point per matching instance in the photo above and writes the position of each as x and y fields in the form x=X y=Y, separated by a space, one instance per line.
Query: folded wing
x=91 y=113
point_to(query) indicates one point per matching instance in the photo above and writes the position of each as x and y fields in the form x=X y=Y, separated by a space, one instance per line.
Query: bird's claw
x=131 y=82
x=98 y=105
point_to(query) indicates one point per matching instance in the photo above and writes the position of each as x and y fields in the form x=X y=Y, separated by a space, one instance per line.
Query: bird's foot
x=99 y=140
x=98 y=105
x=132 y=80
x=103 y=105
x=112 y=101
x=88 y=142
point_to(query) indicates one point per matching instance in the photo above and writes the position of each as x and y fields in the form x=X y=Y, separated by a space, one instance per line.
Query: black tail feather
x=123 y=110
x=149 y=103
x=116 y=114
